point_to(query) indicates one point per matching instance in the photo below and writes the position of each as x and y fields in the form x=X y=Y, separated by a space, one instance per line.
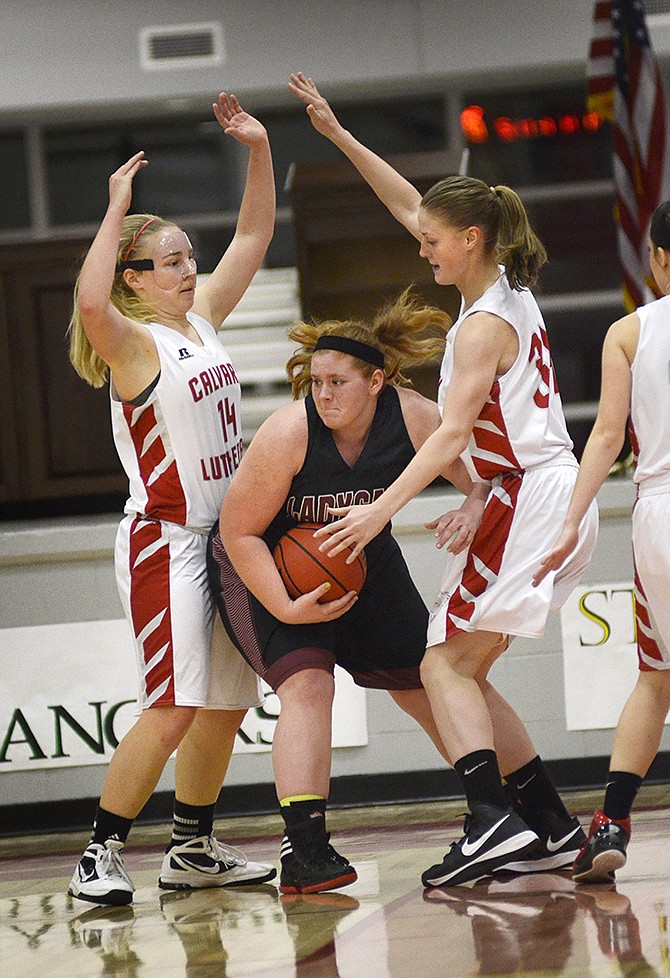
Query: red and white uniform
x=179 y=448
x=650 y=424
x=520 y=444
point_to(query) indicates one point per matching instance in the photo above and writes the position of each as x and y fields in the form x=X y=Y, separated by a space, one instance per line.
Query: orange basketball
x=304 y=567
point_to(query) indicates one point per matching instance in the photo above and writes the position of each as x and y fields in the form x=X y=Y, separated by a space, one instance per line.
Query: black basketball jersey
x=326 y=480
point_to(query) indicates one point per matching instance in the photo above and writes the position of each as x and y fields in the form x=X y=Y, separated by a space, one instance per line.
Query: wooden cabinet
x=55 y=440
x=352 y=255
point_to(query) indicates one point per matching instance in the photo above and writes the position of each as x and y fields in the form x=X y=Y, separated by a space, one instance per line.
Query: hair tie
x=136 y=236
x=343 y=344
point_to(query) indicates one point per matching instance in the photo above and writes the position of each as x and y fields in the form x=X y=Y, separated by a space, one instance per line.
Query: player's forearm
x=97 y=273
x=395 y=192
x=257 y=211
x=437 y=453
x=602 y=450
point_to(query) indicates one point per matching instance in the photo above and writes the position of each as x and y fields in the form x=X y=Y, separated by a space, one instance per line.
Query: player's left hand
x=358 y=525
x=236 y=122
x=458 y=526
x=552 y=560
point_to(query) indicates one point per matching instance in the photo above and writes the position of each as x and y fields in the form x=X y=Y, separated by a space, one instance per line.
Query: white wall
x=57 y=571
x=79 y=56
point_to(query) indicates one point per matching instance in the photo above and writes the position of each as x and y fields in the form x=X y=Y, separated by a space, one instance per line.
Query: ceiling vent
x=181 y=46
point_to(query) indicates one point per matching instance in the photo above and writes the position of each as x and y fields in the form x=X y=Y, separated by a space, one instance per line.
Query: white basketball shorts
x=651 y=552
x=183 y=653
x=489 y=586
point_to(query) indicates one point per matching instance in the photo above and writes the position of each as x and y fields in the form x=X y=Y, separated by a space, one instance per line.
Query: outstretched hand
x=121 y=181
x=322 y=116
x=552 y=560
x=457 y=528
x=359 y=525
x=236 y=122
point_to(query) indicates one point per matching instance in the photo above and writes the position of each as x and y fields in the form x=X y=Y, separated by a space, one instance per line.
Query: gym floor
x=383 y=926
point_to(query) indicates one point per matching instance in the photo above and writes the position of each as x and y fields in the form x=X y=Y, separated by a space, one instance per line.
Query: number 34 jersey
x=521 y=425
x=181 y=446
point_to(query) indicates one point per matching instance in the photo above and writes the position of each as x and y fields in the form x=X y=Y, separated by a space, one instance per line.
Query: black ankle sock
x=107 y=825
x=190 y=822
x=620 y=792
x=481 y=779
x=535 y=790
x=298 y=812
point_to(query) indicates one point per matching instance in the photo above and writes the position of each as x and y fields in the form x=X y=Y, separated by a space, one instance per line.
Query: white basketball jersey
x=650 y=397
x=181 y=447
x=522 y=423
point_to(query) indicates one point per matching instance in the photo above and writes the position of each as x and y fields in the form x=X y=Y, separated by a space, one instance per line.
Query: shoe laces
x=227 y=854
x=112 y=861
x=467 y=822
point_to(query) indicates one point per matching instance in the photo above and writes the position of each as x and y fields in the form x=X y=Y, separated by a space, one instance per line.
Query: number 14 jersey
x=181 y=446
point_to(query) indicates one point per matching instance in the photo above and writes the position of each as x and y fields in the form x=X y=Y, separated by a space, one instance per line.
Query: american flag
x=624 y=84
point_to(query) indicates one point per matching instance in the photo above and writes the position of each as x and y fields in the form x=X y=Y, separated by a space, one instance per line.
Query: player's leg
x=529 y=788
x=132 y=776
x=214 y=675
x=301 y=757
x=147 y=559
x=195 y=858
x=640 y=727
x=494 y=833
x=416 y=704
x=301 y=746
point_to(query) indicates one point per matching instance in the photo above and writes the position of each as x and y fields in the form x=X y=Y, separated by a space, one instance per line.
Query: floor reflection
x=383 y=926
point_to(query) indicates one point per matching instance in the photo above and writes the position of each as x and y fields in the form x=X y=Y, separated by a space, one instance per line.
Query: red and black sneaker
x=312 y=865
x=604 y=850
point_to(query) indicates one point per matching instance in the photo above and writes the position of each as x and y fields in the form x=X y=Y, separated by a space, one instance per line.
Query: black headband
x=138 y=264
x=343 y=344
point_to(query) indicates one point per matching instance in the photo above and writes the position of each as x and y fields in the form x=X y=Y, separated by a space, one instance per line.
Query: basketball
x=303 y=566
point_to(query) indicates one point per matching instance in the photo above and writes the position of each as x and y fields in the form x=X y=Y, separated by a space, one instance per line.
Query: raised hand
x=121 y=181
x=322 y=116
x=236 y=122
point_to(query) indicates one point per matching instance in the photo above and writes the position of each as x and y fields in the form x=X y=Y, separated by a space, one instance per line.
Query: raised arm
x=396 y=193
x=123 y=344
x=218 y=295
x=606 y=438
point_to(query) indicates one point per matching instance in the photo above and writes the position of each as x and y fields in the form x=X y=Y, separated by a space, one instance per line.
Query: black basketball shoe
x=561 y=837
x=492 y=837
x=309 y=864
x=604 y=851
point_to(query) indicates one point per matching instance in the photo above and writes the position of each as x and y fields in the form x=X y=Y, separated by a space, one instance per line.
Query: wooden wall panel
x=62 y=444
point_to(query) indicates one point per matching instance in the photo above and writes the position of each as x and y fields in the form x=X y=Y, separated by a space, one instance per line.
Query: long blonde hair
x=462 y=202
x=407 y=333
x=137 y=230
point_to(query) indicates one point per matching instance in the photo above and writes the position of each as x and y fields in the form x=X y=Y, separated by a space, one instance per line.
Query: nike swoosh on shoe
x=470 y=848
x=555 y=846
x=214 y=870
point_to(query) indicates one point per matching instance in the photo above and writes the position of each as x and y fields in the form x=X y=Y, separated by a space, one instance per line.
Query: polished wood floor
x=383 y=926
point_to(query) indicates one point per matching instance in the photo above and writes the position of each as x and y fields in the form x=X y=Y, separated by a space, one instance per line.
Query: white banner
x=68 y=695
x=599 y=654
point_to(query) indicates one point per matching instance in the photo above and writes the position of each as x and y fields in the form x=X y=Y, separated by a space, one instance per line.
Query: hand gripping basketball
x=303 y=567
